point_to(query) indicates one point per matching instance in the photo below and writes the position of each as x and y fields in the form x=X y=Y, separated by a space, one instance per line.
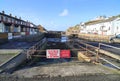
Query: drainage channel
x=39 y=58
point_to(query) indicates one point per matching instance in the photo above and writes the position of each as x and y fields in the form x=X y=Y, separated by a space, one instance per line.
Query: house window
x=21 y=29
x=16 y=22
x=9 y=20
x=7 y=29
x=35 y=30
x=20 y=22
x=12 y=20
x=31 y=29
x=24 y=29
x=2 y=18
x=15 y=29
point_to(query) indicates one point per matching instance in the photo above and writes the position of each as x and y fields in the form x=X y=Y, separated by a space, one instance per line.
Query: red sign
x=65 y=54
x=53 y=53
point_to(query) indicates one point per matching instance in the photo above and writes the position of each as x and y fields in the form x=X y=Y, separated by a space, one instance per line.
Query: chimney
x=3 y=12
x=10 y=15
x=15 y=16
x=20 y=18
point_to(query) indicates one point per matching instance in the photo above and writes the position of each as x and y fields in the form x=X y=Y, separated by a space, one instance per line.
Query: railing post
x=86 y=48
x=97 y=56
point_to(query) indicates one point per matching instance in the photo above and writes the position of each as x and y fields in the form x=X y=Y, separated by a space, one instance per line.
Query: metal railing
x=90 y=51
x=111 y=51
x=98 y=52
x=34 y=48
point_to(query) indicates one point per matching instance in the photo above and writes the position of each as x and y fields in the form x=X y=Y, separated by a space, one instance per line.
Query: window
x=1 y=17
x=9 y=20
x=7 y=29
x=15 y=29
x=12 y=20
x=16 y=22
x=21 y=29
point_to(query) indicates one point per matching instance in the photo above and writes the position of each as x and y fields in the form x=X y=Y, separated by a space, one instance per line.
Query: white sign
x=53 y=53
x=10 y=36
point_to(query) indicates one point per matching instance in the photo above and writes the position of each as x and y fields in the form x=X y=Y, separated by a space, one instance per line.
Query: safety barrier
x=106 y=49
x=90 y=51
x=34 y=48
x=94 y=54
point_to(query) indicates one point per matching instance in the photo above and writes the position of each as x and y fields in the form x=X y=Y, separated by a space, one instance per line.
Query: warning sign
x=65 y=54
x=53 y=53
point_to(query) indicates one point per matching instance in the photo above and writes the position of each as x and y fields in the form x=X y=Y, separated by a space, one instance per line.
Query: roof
x=101 y=20
x=10 y=16
x=3 y=14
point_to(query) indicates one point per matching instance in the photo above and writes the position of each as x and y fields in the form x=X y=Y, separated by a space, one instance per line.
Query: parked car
x=115 y=39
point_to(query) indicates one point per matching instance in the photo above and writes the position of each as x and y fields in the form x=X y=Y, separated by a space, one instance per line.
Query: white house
x=104 y=26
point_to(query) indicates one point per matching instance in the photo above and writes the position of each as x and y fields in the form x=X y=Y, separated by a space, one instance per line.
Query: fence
x=110 y=51
x=34 y=48
x=86 y=52
x=90 y=51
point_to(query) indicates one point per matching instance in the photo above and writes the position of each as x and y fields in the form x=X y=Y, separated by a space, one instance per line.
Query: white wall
x=116 y=26
x=105 y=28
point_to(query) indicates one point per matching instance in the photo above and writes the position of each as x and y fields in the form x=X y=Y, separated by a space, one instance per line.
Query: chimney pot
x=20 y=18
x=3 y=12
x=15 y=16
x=10 y=14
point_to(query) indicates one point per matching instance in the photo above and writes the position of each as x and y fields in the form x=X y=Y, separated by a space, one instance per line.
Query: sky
x=60 y=14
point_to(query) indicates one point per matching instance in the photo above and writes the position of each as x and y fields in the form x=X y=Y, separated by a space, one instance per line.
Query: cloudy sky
x=59 y=14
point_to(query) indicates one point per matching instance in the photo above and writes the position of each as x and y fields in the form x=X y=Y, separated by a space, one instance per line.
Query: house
x=102 y=26
x=12 y=27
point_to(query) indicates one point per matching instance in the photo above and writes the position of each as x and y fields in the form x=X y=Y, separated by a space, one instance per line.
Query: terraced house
x=102 y=26
x=12 y=27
